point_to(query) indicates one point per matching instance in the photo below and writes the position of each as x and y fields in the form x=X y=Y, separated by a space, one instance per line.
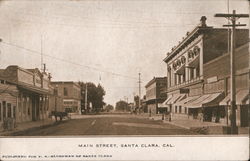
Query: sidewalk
x=200 y=126
x=28 y=125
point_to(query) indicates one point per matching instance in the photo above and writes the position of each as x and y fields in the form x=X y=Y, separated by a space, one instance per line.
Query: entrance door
x=244 y=115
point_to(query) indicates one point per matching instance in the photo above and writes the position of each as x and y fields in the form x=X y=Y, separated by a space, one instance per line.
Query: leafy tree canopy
x=95 y=94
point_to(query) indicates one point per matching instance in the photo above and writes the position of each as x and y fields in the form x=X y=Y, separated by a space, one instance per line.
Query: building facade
x=70 y=92
x=24 y=94
x=155 y=95
x=198 y=73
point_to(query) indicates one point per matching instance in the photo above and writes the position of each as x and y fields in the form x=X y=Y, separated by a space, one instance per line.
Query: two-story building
x=24 y=94
x=70 y=92
x=155 y=95
x=198 y=72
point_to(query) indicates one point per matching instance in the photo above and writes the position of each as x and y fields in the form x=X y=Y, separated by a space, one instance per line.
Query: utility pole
x=86 y=97
x=139 y=92
x=44 y=68
x=41 y=52
x=232 y=17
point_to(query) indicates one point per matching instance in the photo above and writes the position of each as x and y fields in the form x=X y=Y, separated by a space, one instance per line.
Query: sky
x=102 y=41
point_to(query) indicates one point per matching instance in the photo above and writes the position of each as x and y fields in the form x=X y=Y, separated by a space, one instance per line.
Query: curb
x=17 y=132
x=167 y=122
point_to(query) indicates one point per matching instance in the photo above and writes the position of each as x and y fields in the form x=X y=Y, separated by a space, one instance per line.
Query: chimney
x=203 y=21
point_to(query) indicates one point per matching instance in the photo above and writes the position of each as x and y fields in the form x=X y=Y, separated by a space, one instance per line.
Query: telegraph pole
x=86 y=97
x=232 y=17
x=41 y=52
x=139 y=91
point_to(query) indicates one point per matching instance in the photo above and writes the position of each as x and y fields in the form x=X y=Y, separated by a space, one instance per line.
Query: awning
x=164 y=104
x=206 y=100
x=175 y=98
x=225 y=101
x=247 y=102
x=33 y=89
x=241 y=98
x=186 y=100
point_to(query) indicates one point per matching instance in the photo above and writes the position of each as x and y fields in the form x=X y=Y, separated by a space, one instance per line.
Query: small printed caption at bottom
x=125 y=145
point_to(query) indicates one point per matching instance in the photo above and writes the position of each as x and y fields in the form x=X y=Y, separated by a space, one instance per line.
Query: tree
x=109 y=108
x=122 y=106
x=95 y=95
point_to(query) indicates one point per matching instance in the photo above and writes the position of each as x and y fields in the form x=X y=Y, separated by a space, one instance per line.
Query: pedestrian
x=170 y=117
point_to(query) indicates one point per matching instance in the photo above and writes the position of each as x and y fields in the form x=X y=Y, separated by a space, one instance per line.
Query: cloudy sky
x=102 y=41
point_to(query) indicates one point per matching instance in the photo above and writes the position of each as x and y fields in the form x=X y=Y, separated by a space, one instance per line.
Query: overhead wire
x=70 y=62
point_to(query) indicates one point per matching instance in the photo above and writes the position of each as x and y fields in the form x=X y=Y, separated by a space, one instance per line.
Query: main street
x=124 y=124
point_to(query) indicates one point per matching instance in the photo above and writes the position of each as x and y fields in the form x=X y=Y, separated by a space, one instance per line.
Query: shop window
x=175 y=109
x=4 y=109
x=29 y=111
x=179 y=109
x=14 y=111
x=65 y=91
x=8 y=110
x=191 y=73
x=197 y=71
x=179 y=79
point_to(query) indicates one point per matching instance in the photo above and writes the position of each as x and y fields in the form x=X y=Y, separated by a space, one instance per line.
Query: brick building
x=154 y=95
x=24 y=94
x=198 y=73
x=70 y=93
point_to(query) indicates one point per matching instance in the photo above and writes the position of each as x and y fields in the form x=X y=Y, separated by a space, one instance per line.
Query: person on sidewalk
x=170 y=117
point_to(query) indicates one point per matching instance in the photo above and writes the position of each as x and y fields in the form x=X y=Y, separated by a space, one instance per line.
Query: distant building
x=154 y=93
x=24 y=94
x=70 y=92
x=198 y=73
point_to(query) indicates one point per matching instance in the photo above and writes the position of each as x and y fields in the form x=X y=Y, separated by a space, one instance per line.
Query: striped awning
x=206 y=100
x=242 y=97
x=164 y=104
x=186 y=100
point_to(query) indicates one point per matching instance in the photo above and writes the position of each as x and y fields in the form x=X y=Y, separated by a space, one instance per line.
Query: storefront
x=8 y=101
x=205 y=107
x=242 y=102
x=199 y=65
x=26 y=95
x=154 y=95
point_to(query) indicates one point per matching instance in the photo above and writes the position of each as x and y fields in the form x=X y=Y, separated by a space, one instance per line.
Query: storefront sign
x=212 y=79
x=25 y=77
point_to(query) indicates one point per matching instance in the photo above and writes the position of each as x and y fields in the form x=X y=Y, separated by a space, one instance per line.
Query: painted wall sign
x=212 y=79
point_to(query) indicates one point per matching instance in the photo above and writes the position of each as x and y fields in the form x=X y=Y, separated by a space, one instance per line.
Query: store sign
x=212 y=79
x=25 y=77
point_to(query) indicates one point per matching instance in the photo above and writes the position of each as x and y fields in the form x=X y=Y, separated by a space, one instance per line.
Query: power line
x=56 y=16
x=115 y=23
x=70 y=62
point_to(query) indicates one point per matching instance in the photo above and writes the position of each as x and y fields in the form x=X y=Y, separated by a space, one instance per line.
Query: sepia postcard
x=124 y=80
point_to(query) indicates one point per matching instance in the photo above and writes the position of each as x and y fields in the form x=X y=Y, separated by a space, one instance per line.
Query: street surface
x=108 y=125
